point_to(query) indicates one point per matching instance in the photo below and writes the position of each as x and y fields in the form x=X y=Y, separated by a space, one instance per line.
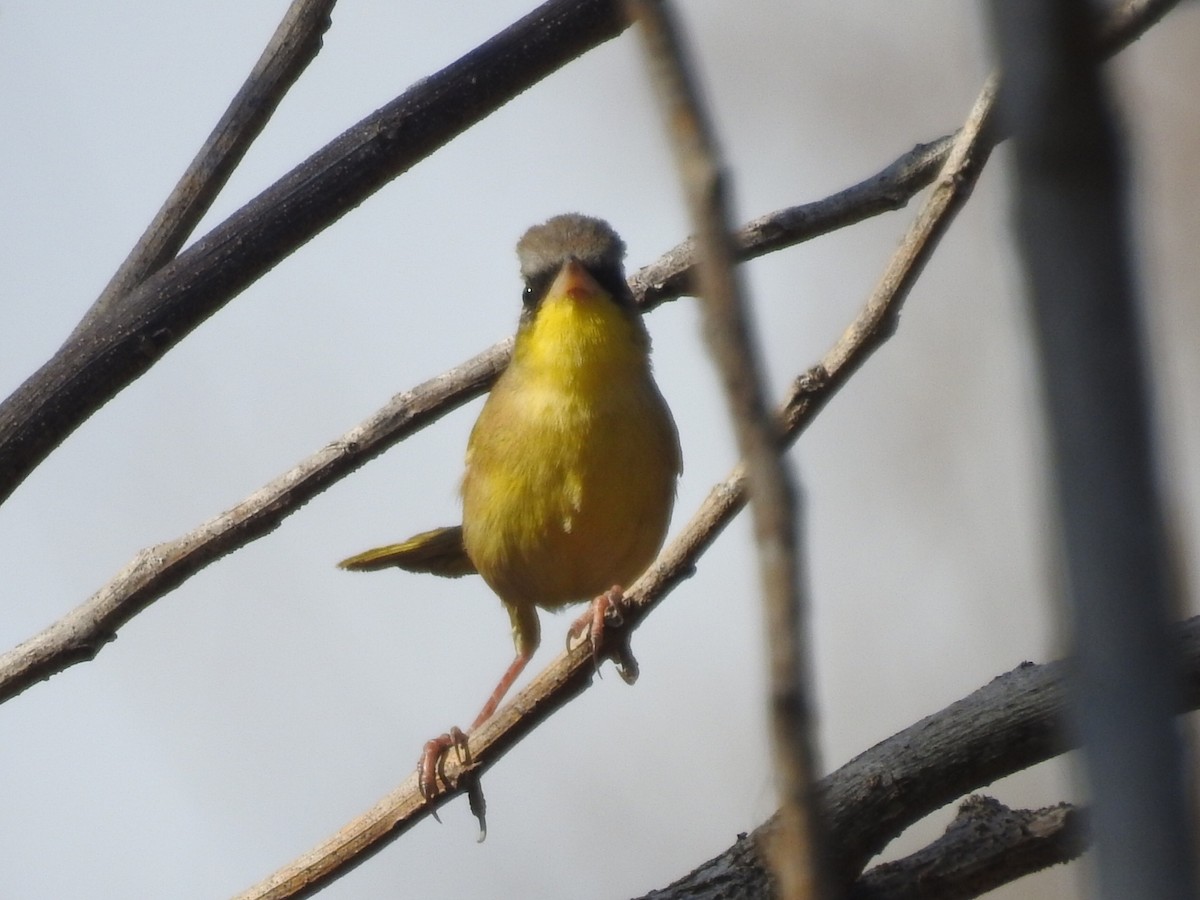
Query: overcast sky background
x=252 y=712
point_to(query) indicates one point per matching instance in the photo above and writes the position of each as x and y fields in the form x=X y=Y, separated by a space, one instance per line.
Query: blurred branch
x=986 y=846
x=1127 y=21
x=1071 y=216
x=295 y=44
x=797 y=857
x=97 y=363
x=1015 y=721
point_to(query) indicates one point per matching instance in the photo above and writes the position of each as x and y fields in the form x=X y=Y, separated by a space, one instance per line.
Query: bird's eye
x=535 y=287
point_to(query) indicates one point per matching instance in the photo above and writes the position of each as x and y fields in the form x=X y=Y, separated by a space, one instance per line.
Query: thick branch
x=294 y=45
x=1010 y=724
x=986 y=846
x=95 y=365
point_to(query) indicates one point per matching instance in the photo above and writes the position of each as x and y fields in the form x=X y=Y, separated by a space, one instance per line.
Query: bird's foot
x=606 y=609
x=431 y=766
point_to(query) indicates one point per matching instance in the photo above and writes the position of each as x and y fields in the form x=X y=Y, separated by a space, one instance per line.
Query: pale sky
x=255 y=710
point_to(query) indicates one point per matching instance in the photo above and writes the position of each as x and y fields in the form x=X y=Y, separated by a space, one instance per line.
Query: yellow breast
x=571 y=467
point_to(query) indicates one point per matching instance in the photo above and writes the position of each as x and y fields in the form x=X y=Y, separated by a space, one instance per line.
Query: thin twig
x=963 y=167
x=293 y=46
x=95 y=365
x=797 y=856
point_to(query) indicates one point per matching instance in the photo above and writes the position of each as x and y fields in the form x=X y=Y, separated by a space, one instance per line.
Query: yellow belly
x=571 y=467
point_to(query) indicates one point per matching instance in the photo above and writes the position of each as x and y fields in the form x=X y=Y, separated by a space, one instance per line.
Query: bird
x=572 y=465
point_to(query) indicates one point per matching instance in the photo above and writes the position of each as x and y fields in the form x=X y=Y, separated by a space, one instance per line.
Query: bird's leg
x=593 y=624
x=526 y=636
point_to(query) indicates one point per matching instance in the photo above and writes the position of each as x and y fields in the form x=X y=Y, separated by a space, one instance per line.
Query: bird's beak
x=575 y=282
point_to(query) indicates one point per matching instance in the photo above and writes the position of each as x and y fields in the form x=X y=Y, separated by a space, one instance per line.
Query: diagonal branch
x=155 y=571
x=295 y=44
x=888 y=190
x=94 y=365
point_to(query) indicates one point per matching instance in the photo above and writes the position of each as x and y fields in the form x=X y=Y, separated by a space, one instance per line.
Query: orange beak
x=575 y=282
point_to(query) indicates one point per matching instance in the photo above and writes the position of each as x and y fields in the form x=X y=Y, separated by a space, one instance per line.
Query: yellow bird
x=571 y=467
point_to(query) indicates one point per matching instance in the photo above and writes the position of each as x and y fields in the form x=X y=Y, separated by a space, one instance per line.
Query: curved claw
x=627 y=665
x=478 y=806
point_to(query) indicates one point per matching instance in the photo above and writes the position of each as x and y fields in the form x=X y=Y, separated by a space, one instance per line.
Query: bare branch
x=986 y=846
x=294 y=45
x=887 y=190
x=96 y=364
x=797 y=855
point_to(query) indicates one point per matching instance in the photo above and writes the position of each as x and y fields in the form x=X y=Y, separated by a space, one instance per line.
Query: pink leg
x=506 y=682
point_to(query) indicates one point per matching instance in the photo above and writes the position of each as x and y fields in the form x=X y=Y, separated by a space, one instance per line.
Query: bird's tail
x=438 y=552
